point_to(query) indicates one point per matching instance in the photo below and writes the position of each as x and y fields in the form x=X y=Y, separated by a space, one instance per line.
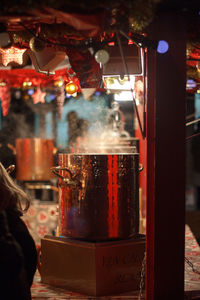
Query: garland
x=138 y=13
x=22 y=78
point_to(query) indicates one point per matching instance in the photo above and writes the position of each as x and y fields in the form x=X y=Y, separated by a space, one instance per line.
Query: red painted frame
x=166 y=161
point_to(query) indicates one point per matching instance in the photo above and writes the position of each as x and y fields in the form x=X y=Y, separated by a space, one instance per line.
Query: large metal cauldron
x=98 y=196
x=34 y=158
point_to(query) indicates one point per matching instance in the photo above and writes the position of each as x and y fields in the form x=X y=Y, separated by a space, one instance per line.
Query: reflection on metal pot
x=98 y=196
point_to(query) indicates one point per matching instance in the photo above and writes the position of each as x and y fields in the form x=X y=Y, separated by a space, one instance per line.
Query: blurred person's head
x=72 y=116
x=11 y=195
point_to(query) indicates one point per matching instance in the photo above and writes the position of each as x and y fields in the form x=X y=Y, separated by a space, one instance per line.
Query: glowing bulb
x=71 y=88
x=102 y=56
x=27 y=83
x=162 y=47
x=31 y=92
x=58 y=83
x=190 y=84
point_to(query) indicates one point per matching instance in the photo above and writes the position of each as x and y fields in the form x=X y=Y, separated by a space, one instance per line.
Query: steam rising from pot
x=107 y=137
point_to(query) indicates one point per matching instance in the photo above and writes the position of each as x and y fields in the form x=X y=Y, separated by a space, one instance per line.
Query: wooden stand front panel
x=95 y=269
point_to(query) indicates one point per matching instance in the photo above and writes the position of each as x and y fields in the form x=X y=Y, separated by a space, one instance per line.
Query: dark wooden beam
x=166 y=161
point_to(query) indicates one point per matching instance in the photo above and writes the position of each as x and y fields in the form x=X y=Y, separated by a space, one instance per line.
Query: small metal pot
x=98 y=196
x=34 y=159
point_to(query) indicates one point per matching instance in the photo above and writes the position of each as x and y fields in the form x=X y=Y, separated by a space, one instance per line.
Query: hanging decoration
x=59 y=82
x=36 y=44
x=38 y=96
x=60 y=101
x=12 y=55
x=71 y=88
x=102 y=56
x=71 y=24
x=86 y=67
x=140 y=13
x=4 y=98
x=24 y=78
x=27 y=84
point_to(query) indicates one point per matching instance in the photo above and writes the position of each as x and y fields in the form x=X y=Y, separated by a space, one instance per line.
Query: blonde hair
x=11 y=195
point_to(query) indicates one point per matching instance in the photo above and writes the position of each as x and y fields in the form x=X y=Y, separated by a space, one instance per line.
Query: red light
x=111 y=44
x=113 y=209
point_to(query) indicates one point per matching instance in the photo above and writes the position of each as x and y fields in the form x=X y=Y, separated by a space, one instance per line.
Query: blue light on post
x=162 y=47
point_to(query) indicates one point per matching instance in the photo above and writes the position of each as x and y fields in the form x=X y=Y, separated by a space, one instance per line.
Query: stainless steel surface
x=98 y=196
x=122 y=145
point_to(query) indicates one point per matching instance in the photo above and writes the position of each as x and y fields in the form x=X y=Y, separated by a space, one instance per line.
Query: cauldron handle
x=72 y=181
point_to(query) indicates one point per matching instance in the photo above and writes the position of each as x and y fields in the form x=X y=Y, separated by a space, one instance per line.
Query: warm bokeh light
x=71 y=88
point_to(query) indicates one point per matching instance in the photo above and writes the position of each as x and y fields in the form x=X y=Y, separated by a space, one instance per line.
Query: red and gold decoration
x=74 y=33
x=86 y=67
x=11 y=55
x=4 y=97
x=89 y=23
x=71 y=88
x=59 y=82
x=28 y=78
x=74 y=28
x=38 y=96
x=54 y=25
x=23 y=78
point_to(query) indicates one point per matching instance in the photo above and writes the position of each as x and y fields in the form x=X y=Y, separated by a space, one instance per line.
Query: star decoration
x=38 y=96
x=10 y=55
